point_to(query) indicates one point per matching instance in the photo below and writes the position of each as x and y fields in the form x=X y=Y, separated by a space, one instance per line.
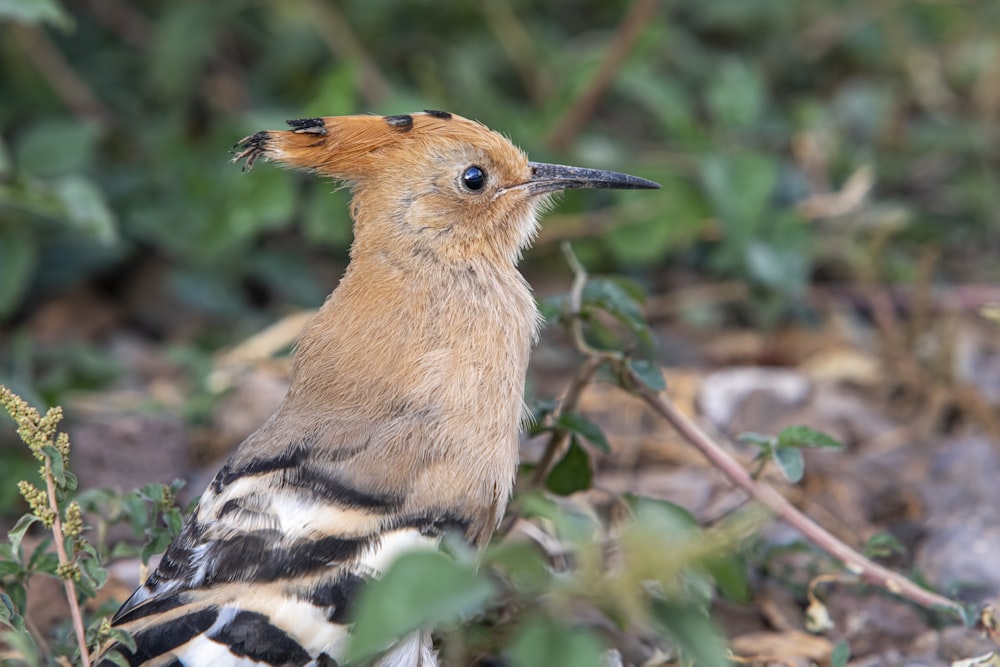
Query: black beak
x=552 y=177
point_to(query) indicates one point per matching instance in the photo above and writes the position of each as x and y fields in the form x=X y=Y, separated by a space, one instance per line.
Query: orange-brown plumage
x=402 y=416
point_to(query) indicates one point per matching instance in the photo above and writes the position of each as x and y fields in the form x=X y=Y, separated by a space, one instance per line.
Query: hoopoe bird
x=401 y=420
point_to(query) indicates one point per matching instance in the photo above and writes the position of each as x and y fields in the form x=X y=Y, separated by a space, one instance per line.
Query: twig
x=54 y=68
x=67 y=577
x=582 y=108
x=340 y=39
x=584 y=375
x=519 y=45
x=855 y=562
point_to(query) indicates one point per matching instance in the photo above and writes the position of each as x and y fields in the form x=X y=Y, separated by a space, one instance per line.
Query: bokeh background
x=822 y=160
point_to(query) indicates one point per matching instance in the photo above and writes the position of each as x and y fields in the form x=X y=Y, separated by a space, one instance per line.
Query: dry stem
x=57 y=532
x=855 y=562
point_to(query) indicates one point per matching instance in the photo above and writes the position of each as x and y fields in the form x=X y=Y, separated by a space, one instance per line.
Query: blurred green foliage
x=115 y=118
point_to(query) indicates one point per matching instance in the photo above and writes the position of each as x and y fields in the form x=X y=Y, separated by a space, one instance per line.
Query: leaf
x=35 y=11
x=841 y=654
x=56 y=147
x=57 y=464
x=698 y=640
x=789 y=460
x=420 y=590
x=621 y=299
x=9 y=615
x=5 y=164
x=86 y=208
x=740 y=189
x=882 y=545
x=158 y=542
x=18 y=257
x=572 y=473
x=542 y=642
x=16 y=534
x=650 y=373
x=124 y=638
x=735 y=96
x=116 y=658
x=730 y=575
x=803 y=436
x=523 y=564
x=18 y=598
x=758 y=439
x=175 y=522
x=576 y=423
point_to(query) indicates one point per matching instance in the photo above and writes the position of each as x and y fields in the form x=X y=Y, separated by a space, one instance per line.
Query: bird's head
x=429 y=183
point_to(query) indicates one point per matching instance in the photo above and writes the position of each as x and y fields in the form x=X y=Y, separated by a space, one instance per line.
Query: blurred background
x=831 y=194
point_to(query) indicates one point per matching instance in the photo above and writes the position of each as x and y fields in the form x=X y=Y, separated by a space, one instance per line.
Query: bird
x=405 y=401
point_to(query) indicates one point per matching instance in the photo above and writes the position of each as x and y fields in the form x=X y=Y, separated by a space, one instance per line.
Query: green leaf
x=572 y=473
x=523 y=564
x=18 y=257
x=789 y=460
x=730 y=575
x=16 y=534
x=882 y=545
x=35 y=11
x=576 y=423
x=116 y=658
x=740 y=188
x=9 y=615
x=86 y=208
x=124 y=638
x=841 y=654
x=803 y=436
x=57 y=464
x=18 y=596
x=735 y=95
x=174 y=521
x=158 y=542
x=542 y=642
x=72 y=483
x=621 y=302
x=420 y=590
x=759 y=439
x=697 y=639
x=650 y=373
x=56 y=147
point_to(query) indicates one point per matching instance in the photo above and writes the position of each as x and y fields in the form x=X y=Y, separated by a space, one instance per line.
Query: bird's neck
x=426 y=363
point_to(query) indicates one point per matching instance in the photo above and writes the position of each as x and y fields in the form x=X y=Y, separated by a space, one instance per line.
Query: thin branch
x=67 y=578
x=334 y=29
x=64 y=81
x=557 y=441
x=766 y=495
x=855 y=562
x=582 y=108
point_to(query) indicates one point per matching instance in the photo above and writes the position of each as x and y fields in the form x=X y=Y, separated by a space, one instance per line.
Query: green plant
x=66 y=553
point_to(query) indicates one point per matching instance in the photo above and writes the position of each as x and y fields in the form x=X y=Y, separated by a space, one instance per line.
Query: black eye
x=474 y=178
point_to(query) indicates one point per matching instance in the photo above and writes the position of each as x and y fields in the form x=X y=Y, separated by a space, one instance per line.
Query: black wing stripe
x=337 y=596
x=251 y=635
x=254 y=558
x=167 y=636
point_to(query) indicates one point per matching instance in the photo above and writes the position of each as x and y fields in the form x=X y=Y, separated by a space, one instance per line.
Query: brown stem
x=855 y=562
x=54 y=68
x=57 y=532
x=582 y=108
x=334 y=29
x=584 y=374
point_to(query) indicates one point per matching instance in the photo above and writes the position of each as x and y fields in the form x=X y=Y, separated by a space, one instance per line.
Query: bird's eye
x=474 y=178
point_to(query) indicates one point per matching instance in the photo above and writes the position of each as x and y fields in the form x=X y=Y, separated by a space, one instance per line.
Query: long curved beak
x=552 y=177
